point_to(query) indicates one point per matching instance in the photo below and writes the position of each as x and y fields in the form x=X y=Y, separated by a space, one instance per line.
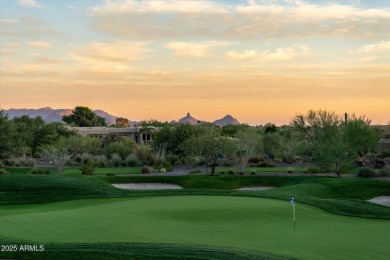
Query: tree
x=270 y=128
x=10 y=140
x=247 y=143
x=210 y=147
x=83 y=117
x=59 y=156
x=122 y=122
x=333 y=152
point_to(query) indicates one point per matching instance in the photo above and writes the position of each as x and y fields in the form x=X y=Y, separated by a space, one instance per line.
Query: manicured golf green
x=245 y=223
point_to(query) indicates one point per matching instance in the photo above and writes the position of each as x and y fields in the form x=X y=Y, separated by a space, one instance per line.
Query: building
x=384 y=145
x=140 y=135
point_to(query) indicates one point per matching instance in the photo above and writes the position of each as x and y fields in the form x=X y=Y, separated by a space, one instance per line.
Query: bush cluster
x=366 y=172
x=40 y=171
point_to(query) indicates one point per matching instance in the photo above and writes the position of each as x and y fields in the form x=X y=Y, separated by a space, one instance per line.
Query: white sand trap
x=147 y=186
x=383 y=200
x=257 y=188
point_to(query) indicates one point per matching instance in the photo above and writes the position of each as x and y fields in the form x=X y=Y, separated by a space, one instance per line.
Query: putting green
x=235 y=222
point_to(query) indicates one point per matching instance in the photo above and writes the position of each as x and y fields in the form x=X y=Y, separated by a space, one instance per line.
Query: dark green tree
x=10 y=140
x=84 y=117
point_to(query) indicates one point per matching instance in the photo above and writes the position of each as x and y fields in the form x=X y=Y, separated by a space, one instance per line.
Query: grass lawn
x=76 y=170
x=254 y=224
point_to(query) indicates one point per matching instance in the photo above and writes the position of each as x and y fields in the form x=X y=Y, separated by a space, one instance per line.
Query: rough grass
x=244 y=223
x=125 y=251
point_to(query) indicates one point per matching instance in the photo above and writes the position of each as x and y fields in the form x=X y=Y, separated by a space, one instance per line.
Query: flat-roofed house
x=140 y=135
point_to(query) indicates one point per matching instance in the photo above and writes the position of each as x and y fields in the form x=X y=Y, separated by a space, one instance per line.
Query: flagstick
x=294 y=215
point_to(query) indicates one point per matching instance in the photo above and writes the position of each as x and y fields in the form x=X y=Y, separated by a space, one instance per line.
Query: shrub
x=384 y=172
x=36 y=171
x=85 y=157
x=87 y=168
x=9 y=162
x=253 y=173
x=254 y=160
x=265 y=164
x=1 y=164
x=145 y=169
x=195 y=171
x=132 y=160
x=3 y=171
x=37 y=155
x=313 y=170
x=366 y=172
x=116 y=160
x=289 y=170
x=241 y=173
x=231 y=172
x=173 y=159
x=46 y=171
x=222 y=172
x=100 y=160
x=26 y=162
x=110 y=174
x=78 y=158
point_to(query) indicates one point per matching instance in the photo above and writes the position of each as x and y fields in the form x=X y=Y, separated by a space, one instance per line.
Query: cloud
x=192 y=49
x=30 y=3
x=377 y=47
x=40 y=45
x=279 y=54
x=289 y=19
x=99 y=53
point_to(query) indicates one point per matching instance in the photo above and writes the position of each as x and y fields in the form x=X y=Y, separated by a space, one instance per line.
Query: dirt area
x=257 y=188
x=382 y=200
x=147 y=186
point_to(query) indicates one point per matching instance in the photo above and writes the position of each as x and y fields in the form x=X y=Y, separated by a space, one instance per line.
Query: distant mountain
x=227 y=120
x=188 y=119
x=49 y=114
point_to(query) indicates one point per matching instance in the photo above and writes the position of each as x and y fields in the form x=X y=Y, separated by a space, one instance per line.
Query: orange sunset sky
x=260 y=61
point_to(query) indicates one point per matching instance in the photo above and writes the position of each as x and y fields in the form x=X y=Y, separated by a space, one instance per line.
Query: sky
x=259 y=60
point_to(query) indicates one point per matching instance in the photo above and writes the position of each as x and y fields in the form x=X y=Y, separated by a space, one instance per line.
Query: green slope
x=253 y=224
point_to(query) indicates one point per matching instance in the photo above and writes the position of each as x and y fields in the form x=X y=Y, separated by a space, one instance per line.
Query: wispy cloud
x=30 y=3
x=376 y=47
x=296 y=19
x=279 y=54
x=40 y=45
x=110 y=52
x=193 y=49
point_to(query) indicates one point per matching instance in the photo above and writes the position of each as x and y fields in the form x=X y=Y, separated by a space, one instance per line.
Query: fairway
x=255 y=224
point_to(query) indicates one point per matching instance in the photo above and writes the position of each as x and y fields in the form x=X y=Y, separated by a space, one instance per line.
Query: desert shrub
x=384 y=172
x=132 y=160
x=253 y=173
x=230 y=172
x=366 y=172
x=222 y=172
x=1 y=164
x=110 y=174
x=144 y=154
x=254 y=160
x=26 y=162
x=116 y=160
x=265 y=164
x=17 y=163
x=3 y=171
x=313 y=170
x=78 y=158
x=145 y=169
x=100 y=160
x=87 y=168
x=85 y=157
x=121 y=148
x=290 y=170
x=241 y=173
x=173 y=159
x=228 y=163
x=195 y=171
x=46 y=171
x=9 y=162
x=37 y=155
x=36 y=171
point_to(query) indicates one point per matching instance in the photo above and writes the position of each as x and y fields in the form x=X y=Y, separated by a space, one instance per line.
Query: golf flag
x=292 y=202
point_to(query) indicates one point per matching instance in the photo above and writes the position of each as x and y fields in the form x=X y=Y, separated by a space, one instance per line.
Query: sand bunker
x=257 y=188
x=147 y=186
x=383 y=200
